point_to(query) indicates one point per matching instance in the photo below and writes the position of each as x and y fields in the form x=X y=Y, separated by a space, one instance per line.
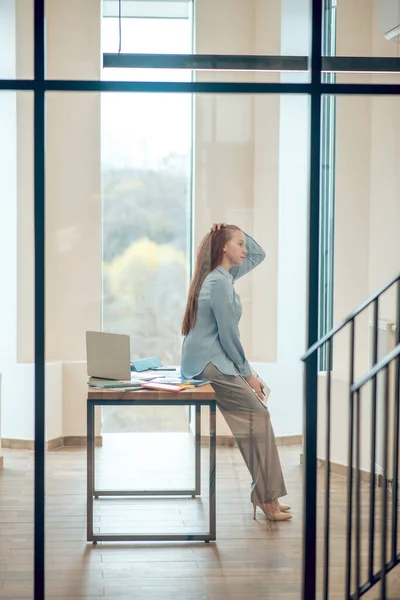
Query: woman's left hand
x=255 y=385
x=217 y=226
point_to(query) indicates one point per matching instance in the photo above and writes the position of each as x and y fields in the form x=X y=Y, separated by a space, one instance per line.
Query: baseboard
x=289 y=440
x=229 y=440
x=54 y=444
x=72 y=441
x=221 y=440
x=343 y=471
x=15 y=444
x=79 y=441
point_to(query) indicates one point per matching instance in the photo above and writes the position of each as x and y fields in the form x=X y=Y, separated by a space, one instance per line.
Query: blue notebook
x=145 y=364
x=195 y=382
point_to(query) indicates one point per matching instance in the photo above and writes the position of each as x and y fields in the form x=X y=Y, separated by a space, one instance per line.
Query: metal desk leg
x=90 y=469
x=251 y=443
x=251 y=448
x=213 y=414
x=198 y=451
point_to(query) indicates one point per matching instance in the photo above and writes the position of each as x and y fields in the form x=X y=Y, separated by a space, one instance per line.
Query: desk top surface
x=203 y=392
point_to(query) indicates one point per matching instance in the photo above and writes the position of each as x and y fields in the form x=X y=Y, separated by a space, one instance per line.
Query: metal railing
x=354 y=473
x=352 y=589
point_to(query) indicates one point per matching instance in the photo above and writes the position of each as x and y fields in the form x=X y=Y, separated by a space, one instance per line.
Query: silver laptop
x=108 y=355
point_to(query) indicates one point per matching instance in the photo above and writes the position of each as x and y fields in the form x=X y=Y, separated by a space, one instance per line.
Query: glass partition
x=269 y=37
x=365 y=247
x=361 y=42
x=16 y=39
x=133 y=182
x=17 y=369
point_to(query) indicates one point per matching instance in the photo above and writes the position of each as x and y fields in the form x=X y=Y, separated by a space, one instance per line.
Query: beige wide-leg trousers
x=250 y=423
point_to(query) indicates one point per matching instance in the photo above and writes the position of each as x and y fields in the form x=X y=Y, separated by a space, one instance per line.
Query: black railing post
x=329 y=355
x=39 y=253
x=350 y=465
x=384 y=485
x=384 y=367
x=310 y=478
x=373 y=444
x=357 y=412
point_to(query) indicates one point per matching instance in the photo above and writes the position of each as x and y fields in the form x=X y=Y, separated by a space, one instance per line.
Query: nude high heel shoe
x=282 y=507
x=272 y=511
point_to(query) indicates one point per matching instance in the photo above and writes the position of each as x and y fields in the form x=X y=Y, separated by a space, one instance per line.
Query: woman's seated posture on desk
x=212 y=350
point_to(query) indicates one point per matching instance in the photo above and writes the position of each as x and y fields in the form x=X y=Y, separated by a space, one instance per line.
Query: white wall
x=244 y=173
x=8 y=195
x=385 y=181
x=251 y=167
x=367 y=244
x=25 y=196
x=54 y=400
x=73 y=202
x=17 y=419
x=8 y=200
x=73 y=218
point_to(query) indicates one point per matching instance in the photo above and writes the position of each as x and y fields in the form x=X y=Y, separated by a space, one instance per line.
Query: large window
x=146 y=192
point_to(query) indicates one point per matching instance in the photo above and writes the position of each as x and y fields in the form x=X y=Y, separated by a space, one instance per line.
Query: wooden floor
x=251 y=559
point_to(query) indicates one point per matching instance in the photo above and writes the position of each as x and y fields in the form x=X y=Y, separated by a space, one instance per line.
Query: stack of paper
x=163 y=387
x=106 y=384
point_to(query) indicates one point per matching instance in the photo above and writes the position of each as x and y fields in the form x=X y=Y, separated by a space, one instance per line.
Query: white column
x=285 y=373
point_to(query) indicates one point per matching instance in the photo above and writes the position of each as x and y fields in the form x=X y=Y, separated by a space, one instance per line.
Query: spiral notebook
x=115 y=384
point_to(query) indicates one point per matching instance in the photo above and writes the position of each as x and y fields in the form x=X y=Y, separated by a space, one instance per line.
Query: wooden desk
x=197 y=397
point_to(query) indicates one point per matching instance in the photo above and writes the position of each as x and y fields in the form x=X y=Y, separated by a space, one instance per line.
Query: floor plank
x=251 y=559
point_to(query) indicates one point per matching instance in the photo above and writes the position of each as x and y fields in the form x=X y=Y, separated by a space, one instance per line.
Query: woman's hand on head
x=256 y=385
x=217 y=226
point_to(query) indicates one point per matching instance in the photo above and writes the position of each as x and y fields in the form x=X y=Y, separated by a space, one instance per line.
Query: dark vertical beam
x=395 y=492
x=90 y=466
x=311 y=367
x=197 y=484
x=349 y=544
x=213 y=468
x=357 y=408
x=327 y=468
x=373 y=447
x=39 y=253
x=385 y=478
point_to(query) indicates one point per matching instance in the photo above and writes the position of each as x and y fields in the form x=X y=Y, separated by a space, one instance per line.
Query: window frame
x=327 y=179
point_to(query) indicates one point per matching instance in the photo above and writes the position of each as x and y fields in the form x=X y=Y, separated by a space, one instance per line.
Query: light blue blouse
x=215 y=337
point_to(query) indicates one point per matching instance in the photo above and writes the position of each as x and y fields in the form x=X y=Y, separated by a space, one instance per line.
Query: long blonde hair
x=209 y=256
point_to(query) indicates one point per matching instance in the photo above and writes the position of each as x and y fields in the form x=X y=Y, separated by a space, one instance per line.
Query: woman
x=212 y=350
